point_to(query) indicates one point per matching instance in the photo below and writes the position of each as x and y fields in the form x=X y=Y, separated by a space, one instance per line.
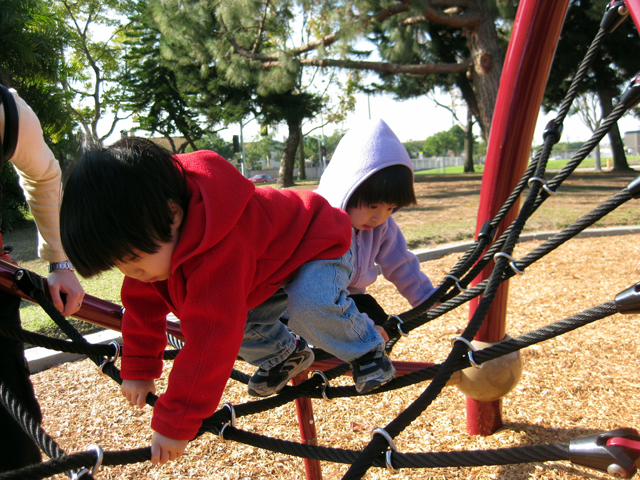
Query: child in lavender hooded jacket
x=371 y=176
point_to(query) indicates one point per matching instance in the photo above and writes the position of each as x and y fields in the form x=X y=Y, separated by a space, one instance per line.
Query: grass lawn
x=446 y=212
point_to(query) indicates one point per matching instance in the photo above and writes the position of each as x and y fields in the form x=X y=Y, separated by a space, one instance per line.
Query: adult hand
x=136 y=391
x=67 y=282
x=165 y=449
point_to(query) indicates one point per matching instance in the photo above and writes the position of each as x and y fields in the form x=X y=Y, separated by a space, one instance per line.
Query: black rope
x=77 y=461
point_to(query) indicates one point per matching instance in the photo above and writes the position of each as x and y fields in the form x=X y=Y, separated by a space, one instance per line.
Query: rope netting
x=451 y=293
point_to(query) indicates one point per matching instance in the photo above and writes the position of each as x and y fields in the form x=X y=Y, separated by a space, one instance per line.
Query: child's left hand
x=165 y=449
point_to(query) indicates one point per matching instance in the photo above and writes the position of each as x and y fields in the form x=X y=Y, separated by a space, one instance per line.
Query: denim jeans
x=320 y=311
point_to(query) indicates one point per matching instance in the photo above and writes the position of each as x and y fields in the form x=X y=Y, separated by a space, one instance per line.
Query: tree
x=398 y=30
x=612 y=68
x=152 y=92
x=94 y=66
x=445 y=142
x=31 y=41
x=587 y=109
x=293 y=108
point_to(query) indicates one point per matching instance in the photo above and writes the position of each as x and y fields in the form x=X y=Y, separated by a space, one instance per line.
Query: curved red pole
x=529 y=56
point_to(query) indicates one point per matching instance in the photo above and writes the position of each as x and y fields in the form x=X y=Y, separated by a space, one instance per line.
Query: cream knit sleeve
x=40 y=178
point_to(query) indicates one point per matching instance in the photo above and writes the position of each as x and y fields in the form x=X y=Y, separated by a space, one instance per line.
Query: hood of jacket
x=362 y=151
x=212 y=213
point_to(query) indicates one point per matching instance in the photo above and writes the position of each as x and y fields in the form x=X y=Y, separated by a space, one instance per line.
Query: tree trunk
x=303 y=172
x=598 y=165
x=285 y=176
x=487 y=62
x=468 y=144
x=617 y=147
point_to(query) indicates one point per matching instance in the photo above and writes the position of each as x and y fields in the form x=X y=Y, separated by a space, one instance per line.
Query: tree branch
x=383 y=67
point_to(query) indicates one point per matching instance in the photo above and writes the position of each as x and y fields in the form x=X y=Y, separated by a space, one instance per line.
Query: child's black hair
x=119 y=201
x=392 y=185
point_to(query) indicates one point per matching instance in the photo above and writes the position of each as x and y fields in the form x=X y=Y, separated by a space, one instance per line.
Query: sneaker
x=267 y=382
x=372 y=371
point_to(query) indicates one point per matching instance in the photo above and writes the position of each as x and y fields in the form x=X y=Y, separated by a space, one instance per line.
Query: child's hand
x=164 y=449
x=136 y=391
x=382 y=332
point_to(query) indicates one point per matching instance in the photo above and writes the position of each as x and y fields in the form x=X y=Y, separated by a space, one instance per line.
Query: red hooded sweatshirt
x=238 y=244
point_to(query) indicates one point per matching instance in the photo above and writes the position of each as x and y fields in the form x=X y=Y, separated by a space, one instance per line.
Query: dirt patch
x=578 y=384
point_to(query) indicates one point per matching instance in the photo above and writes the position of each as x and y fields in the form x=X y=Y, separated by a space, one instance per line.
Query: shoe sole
x=296 y=371
x=370 y=385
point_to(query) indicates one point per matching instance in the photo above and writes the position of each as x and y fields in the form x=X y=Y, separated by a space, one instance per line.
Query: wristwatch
x=66 y=265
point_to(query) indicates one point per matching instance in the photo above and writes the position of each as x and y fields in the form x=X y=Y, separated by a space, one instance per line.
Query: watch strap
x=66 y=265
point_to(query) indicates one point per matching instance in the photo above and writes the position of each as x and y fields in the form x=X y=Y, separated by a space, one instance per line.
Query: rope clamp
x=614 y=452
x=545 y=186
x=232 y=422
x=457 y=282
x=111 y=359
x=470 y=352
x=631 y=95
x=399 y=323
x=614 y=13
x=392 y=448
x=84 y=471
x=512 y=262
x=325 y=383
x=628 y=301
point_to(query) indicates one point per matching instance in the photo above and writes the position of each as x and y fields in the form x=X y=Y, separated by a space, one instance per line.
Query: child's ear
x=177 y=213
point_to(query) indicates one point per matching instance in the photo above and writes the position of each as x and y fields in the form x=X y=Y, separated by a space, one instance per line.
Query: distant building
x=632 y=142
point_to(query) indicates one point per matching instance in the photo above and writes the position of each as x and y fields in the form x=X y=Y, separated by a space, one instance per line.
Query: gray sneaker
x=267 y=382
x=372 y=371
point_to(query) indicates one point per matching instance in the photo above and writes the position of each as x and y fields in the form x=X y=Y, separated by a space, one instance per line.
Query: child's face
x=149 y=267
x=154 y=267
x=366 y=217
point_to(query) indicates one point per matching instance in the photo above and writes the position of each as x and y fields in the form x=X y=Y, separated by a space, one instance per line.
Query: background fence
x=431 y=163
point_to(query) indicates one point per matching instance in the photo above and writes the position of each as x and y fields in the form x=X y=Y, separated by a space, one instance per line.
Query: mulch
x=581 y=383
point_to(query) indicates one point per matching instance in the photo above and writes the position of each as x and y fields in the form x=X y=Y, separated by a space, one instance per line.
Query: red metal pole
x=307 y=424
x=529 y=56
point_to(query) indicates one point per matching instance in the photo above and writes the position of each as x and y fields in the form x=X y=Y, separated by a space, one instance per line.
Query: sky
x=419 y=118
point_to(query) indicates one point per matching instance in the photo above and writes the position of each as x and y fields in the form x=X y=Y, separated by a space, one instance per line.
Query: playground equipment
x=483 y=271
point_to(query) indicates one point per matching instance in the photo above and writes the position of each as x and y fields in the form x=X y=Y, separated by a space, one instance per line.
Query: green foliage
x=414 y=147
x=445 y=142
x=260 y=151
x=213 y=141
x=14 y=205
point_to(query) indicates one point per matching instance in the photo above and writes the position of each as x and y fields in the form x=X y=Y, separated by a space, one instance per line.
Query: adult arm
x=40 y=178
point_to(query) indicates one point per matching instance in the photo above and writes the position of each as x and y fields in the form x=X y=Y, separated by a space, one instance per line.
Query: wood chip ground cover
x=581 y=383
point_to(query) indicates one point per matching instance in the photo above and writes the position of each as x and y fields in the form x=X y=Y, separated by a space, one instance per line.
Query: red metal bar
x=634 y=10
x=307 y=425
x=531 y=49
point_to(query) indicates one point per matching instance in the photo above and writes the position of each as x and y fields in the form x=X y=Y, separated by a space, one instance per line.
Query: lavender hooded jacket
x=363 y=151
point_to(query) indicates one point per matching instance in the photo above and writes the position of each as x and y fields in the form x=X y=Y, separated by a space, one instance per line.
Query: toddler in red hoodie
x=196 y=239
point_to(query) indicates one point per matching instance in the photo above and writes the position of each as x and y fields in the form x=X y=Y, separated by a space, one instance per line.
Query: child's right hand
x=164 y=449
x=136 y=391
x=383 y=333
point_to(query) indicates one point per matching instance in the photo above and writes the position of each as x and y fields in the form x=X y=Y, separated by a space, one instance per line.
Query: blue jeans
x=320 y=311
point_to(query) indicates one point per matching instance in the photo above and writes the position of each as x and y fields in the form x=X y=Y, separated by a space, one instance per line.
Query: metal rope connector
x=392 y=447
x=457 y=282
x=512 y=262
x=545 y=186
x=94 y=470
x=325 y=383
x=470 y=352
x=628 y=301
x=399 y=322
x=111 y=359
x=552 y=132
x=232 y=422
x=631 y=95
x=614 y=14
x=614 y=452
